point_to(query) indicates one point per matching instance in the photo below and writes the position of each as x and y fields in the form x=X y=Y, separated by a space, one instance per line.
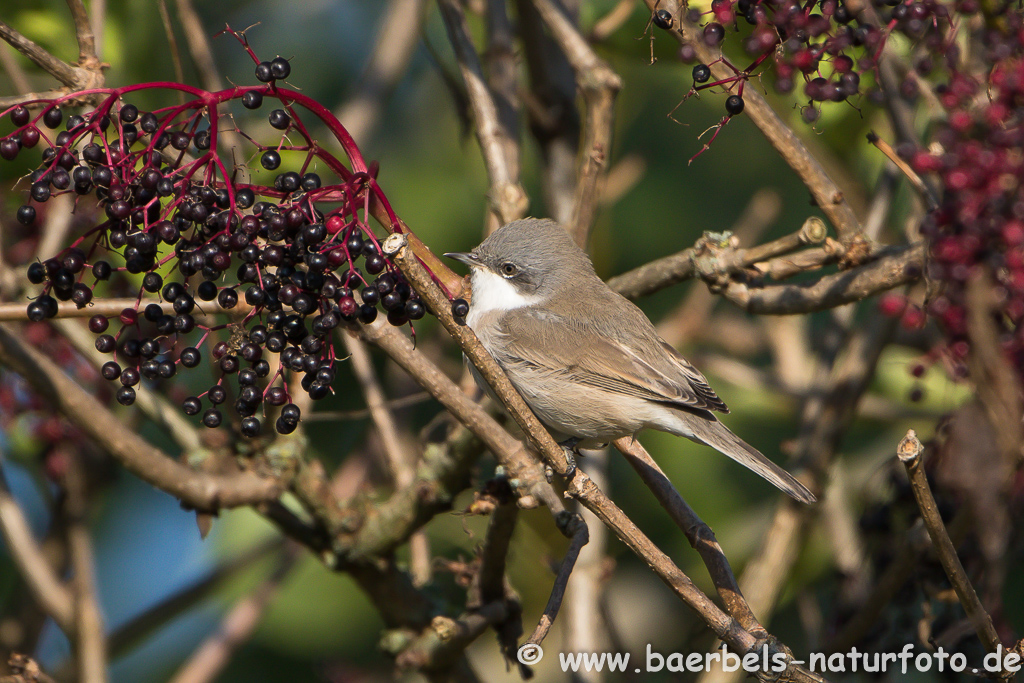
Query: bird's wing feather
x=653 y=371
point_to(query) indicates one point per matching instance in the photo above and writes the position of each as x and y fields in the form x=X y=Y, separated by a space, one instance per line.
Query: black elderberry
x=19 y=116
x=190 y=357
x=280 y=68
x=250 y=427
x=36 y=272
x=110 y=370
x=460 y=309
x=270 y=160
x=701 y=73
x=279 y=119
x=252 y=100
x=217 y=395
x=285 y=427
x=53 y=117
x=126 y=396
x=212 y=418
x=264 y=74
x=130 y=377
x=291 y=413
x=191 y=405
x=98 y=324
x=734 y=105
x=663 y=19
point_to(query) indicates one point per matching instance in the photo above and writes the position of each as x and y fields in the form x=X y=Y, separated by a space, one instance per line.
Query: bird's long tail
x=713 y=433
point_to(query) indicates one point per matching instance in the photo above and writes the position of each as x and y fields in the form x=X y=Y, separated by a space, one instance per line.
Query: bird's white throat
x=492 y=292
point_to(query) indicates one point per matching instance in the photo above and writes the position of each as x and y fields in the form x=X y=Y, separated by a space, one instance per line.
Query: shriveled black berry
x=701 y=73
x=212 y=418
x=110 y=370
x=105 y=343
x=191 y=405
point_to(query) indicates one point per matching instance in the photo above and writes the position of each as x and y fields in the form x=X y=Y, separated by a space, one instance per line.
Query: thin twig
x=915 y=180
x=363 y=413
x=63 y=72
x=14 y=71
x=198 y=45
x=400 y=462
x=579 y=535
x=83 y=32
x=909 y=452
x=701 y=537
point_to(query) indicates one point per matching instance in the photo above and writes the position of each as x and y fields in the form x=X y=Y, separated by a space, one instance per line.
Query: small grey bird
x=587 y=361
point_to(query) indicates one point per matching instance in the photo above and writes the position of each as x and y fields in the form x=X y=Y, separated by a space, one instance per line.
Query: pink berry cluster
x=821 y=49
x=199 y=228
x=980 y=222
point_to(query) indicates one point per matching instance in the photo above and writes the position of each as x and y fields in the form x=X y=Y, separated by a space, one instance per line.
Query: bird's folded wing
x=654 y=371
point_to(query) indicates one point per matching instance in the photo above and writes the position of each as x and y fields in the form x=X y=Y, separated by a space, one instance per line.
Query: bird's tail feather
x=715 y=434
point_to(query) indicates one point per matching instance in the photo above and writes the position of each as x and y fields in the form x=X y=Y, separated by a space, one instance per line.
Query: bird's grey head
x=535 y=255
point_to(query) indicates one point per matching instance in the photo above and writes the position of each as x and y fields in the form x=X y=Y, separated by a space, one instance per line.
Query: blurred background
x=317 y=625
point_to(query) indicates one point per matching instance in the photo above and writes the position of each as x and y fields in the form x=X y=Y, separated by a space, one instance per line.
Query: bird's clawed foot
x=570 y=450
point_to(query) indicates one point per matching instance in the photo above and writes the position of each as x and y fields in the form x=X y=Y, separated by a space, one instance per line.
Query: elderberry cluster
x=196 y=243
x=821 y=45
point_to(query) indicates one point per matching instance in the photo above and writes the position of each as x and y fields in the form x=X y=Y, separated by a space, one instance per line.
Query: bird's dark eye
x=508 y=269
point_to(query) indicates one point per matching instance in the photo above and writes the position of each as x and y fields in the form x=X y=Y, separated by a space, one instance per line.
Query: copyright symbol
x=530 y=654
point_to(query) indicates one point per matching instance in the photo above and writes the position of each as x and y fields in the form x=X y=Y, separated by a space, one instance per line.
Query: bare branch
x=701 y=537
x=83 y=32
x=909 y=452
x=507 y=198
x=899 y=266
x=579 y=535
x=599 y=85
x=63 y=72
x=210 y=658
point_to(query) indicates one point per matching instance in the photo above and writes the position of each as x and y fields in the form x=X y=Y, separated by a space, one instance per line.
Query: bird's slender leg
x=569 y=447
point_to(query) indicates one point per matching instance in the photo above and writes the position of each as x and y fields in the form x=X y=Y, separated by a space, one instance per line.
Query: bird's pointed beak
x=467 y=257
